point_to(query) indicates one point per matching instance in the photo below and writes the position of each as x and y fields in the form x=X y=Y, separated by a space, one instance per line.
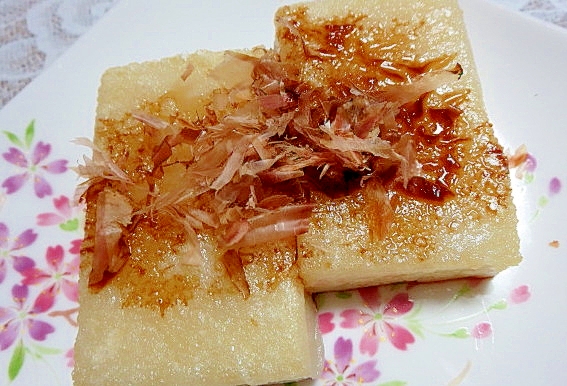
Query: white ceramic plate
x=506 y=331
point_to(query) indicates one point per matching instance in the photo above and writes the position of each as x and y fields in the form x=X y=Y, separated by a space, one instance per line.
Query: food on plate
x=424 y=191
x=159 y=303
x=225 y=187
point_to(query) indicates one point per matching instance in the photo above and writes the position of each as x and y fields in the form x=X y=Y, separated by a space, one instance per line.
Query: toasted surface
x=159 y=320
x=364 y=128
x=211 y=340
x=472 y=233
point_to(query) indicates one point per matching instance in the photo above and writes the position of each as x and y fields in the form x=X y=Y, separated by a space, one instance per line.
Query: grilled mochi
x=441 y=206
x=226 y=187
x=159 y=301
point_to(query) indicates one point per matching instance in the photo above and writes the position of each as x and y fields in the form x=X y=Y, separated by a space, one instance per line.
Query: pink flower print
x=64 y=215
x=64 y=212
x=326 y=324
x=525 y=163
x=76 y=246
x=341 y=371
x=8 y=246
x=520 y=294
x=15 y=321
x=530 y=164
x=554 y=186
x=60 y=275
x=33 y=168
x=482 y=330
x=70 y=355
x=380 y=320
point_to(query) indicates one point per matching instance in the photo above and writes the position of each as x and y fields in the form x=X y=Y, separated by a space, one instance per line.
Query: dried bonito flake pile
x=246 y=168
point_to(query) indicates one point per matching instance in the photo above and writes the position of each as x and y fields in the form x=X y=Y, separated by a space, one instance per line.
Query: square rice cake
x=160 y=304
x=403 y=71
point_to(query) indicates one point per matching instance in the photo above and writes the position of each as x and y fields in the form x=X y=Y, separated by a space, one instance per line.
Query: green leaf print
x=543 y=201
x=416 y=327
x=70 y=226
x=460 y=333
x=529 y=178
x=499 y=305
x=464 y=290
x=393 y=383
x=343 y=295
x=40 y=351
x=30 y=132
x=14 y=139
x=17 y=361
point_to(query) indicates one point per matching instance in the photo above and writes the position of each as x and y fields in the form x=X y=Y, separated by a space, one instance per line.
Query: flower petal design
x=354 y=318
x=41 y=187
x=39 y=329
x=47 y=219
x=482 y=330
x=554 y=186
x=530 y=165
x=366 y=372
x=63 y=206
x=369 y=342
x=328 y=371
x=24 y=239
x=4 y=235
x=23 y=263
x=70 y=355
x=326 y=324
x=56 y=167
x=3 y=270
x=399 y=305
x=16 y=157
x=8 y=334
x=7 y=314
x=40 y=152
x=72 y=267
x=54 y=257
x=371 y=297
x=399 y=336
x=44 y=300
x=520 y=294
x=20 y=294
x=343 y=353
x=76 y=246
x=70 y=290
x=15 y=182
x=33 y=276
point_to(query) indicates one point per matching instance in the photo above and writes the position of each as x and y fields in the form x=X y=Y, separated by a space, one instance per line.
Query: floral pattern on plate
x=39 y=263
x=39 y=259
x=400 y=317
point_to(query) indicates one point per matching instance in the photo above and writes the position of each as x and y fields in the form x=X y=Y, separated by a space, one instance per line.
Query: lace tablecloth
x=33 y=33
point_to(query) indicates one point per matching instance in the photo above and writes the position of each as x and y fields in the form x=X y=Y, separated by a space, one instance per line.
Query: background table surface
x=33 y=33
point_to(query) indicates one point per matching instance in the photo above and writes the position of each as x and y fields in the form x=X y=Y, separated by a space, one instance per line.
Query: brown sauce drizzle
x=341 y=51
x=341 y=60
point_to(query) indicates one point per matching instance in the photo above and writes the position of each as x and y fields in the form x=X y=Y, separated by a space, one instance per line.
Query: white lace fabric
x=33 y=33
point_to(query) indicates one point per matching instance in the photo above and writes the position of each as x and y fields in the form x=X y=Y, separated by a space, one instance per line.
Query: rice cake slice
x=210 y=339
x=454 y=218
x=158 y=319
x=370 y=47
